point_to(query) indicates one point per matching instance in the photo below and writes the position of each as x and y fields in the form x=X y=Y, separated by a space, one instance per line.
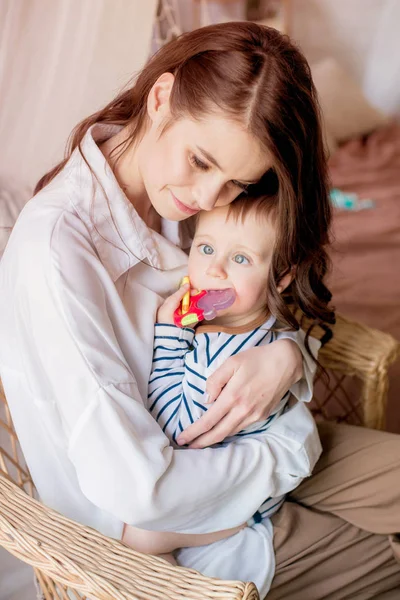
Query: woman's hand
x=245 y=389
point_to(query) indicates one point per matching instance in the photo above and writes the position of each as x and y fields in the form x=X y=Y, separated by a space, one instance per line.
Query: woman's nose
x=206 y=196
x=207 y=201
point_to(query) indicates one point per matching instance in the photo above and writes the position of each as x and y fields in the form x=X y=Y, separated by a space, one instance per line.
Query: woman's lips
x=182 y=207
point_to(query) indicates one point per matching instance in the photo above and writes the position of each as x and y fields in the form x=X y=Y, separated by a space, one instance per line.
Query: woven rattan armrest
x=365 y=353
x=94 y=565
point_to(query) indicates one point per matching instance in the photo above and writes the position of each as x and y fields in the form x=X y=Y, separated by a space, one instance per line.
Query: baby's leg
x=169 y=557
x=165 y=542
x=248 y=556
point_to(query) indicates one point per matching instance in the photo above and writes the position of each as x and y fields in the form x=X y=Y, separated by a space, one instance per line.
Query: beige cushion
x=13 y=198
x=346 y=111
x=329 y=141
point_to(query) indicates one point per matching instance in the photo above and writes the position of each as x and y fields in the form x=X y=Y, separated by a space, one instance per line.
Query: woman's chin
x=171 y=214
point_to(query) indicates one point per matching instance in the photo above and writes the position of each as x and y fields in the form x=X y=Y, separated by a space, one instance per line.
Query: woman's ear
x=158 y=99
x=285 y=281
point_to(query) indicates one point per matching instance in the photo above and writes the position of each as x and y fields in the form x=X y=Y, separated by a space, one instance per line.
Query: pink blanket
x=366 y=252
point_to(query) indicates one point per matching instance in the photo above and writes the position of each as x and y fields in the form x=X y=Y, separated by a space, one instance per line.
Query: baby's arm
x=171 y=344
x=172 y=391
x=165 y=391
x=164 y=542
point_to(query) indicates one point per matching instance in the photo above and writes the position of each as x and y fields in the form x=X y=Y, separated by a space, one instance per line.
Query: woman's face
x=196 y=165
x=193 y=165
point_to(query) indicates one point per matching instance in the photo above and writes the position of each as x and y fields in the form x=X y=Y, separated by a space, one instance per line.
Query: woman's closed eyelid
x=203 y=166
x=243 y=186
x=197 y=162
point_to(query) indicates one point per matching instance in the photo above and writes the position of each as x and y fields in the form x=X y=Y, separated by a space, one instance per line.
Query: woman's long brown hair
x=257 y=77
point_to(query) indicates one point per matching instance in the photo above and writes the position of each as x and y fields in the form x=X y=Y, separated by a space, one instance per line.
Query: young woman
x=91 y=259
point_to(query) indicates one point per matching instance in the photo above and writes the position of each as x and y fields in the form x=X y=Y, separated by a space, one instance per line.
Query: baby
x=232 y=248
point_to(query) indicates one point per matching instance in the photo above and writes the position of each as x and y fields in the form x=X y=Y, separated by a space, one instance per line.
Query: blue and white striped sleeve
x=165 y=391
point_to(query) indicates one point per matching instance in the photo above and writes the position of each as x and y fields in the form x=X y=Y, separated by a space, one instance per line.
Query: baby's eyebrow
x=242 y=248
x=202 y=235
x=260 y=255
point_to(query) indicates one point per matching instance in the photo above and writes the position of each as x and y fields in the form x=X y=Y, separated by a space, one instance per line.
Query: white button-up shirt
x=80 y=283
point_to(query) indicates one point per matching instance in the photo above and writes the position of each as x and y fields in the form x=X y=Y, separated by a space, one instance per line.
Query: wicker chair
x=73 y=561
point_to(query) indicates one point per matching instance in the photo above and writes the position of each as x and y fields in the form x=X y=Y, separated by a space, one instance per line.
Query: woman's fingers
x=229 y=414
x=214 y=414
x=225 y=417
x=218 y=380
x=228 y=425
x=215 y=383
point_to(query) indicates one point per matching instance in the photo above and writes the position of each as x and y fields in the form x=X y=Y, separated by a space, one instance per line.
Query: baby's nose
x=217 y=270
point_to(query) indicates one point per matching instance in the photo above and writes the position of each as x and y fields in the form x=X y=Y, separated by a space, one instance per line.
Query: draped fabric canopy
x=61 y=60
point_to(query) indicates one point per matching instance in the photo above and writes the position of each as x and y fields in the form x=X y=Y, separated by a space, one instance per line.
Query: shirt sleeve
x=171 y=344
x=297 y=429
x=302 y=390
x=123 y=461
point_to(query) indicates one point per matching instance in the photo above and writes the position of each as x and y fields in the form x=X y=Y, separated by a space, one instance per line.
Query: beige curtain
x=60 y=60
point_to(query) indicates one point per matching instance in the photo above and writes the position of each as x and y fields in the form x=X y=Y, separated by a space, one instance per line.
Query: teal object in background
x=348 y=201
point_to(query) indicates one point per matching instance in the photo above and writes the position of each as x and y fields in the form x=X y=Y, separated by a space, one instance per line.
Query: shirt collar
x=121 y=237
x=264 y=322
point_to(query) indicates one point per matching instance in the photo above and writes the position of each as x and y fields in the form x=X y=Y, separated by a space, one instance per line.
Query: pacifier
x=203 y=305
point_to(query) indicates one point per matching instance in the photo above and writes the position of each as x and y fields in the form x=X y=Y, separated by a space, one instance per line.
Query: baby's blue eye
x=241 y=260
x=206 y=249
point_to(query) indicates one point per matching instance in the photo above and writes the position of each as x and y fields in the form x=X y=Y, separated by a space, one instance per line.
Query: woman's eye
x=199 y=164
x=206 y=249
x=240 y=259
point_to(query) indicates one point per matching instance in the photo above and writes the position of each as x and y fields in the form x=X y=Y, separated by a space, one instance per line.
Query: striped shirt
x=183 y=360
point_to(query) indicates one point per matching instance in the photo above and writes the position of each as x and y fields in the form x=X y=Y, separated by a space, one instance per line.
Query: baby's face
x=233 y=254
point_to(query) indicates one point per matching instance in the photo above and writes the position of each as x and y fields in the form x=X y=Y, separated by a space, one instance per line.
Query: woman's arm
x=247 y=387
x=122 y=460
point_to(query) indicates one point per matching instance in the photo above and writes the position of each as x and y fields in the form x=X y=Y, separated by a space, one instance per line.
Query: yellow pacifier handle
x=186 y=297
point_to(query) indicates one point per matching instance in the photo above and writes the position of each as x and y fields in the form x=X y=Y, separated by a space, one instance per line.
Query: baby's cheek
x=195 y=283
x=192 y=268
x=250 y=296
x=195 y=275
x=242 y=301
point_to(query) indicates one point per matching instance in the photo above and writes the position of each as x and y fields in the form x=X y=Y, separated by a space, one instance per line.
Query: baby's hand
x=165 y=313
